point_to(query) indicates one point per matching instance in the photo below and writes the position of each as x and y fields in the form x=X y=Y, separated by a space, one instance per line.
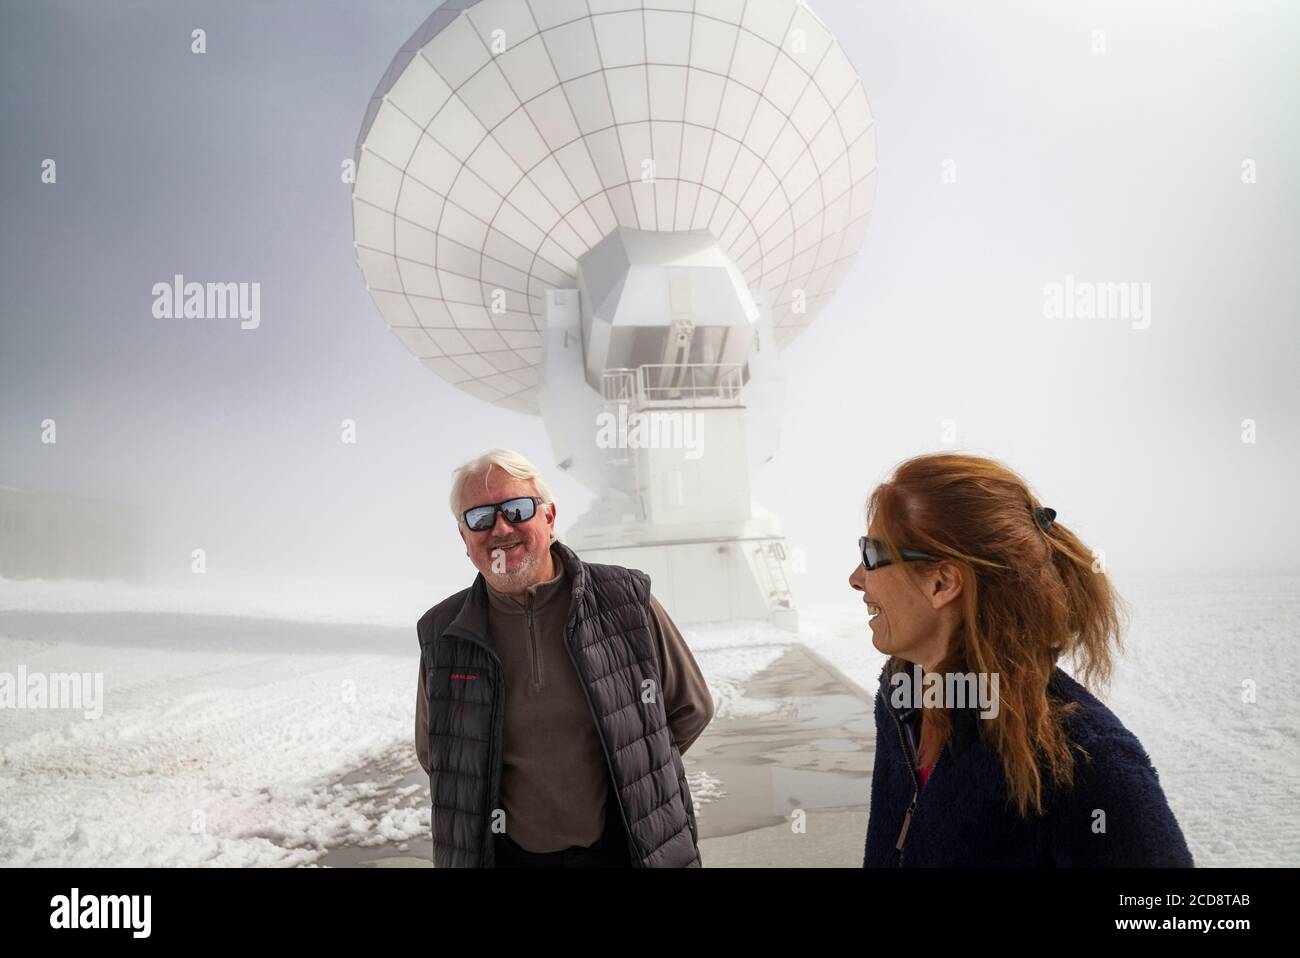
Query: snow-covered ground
x=1230 y=769
x=398 y=605
x=198 y=757
x=240 y=756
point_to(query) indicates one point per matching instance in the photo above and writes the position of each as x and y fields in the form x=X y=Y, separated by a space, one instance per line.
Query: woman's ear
x=945 y=584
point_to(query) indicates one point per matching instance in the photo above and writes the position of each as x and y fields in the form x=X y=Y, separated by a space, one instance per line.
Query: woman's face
x=904 y=619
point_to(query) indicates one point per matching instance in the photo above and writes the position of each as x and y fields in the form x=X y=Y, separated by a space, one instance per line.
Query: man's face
x=511 y=557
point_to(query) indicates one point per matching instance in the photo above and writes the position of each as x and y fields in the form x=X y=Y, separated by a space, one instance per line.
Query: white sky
x=1121 y=167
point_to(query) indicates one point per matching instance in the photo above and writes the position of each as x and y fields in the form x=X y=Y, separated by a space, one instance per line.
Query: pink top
x=923 y=773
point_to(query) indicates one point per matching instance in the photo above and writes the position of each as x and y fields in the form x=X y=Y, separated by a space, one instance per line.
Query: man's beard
x=514 y=581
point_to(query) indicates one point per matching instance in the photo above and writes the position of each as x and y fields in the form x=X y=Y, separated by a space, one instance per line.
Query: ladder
x=767 y=559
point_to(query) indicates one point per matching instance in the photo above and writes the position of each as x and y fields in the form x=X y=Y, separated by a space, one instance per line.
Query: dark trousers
x=608 y=851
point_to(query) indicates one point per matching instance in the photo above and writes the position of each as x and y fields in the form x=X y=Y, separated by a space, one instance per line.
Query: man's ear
x=945 y=584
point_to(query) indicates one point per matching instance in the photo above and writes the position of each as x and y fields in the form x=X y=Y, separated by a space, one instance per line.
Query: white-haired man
x=555 y=697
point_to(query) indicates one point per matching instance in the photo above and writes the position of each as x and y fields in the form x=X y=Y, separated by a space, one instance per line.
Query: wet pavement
x=783 y=779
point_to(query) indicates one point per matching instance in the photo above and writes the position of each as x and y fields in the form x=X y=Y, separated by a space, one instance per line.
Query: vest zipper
x=494 y=764
x=604 y=748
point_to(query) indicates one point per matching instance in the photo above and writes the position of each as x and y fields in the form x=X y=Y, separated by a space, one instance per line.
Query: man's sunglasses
x=483 y=518
x=875 y=554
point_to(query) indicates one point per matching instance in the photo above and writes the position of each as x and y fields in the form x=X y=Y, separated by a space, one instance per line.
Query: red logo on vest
x=463 y=677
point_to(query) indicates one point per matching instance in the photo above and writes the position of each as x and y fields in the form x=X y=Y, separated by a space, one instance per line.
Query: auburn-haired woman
x=972 y=583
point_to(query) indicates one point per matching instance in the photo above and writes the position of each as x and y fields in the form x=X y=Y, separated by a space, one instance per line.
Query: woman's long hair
x=1029 y=595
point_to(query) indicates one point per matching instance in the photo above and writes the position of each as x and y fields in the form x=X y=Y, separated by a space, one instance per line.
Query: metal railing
x=666 y=385
x=618 y=386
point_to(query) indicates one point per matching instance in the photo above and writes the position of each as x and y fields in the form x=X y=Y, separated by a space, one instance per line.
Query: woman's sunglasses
x=875 y=554
x=483 y=518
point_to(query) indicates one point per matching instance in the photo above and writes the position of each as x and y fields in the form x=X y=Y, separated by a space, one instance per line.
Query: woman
x=972 y=586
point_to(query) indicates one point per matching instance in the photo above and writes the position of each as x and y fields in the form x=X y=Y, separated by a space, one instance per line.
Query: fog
x=1070 y=166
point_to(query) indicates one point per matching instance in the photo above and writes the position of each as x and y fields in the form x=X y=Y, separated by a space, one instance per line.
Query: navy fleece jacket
x=963 y=816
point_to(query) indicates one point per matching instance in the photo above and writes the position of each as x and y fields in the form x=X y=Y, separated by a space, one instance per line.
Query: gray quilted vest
x=610 y=640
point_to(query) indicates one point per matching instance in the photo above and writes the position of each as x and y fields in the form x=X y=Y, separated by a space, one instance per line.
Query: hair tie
x=1044 y=516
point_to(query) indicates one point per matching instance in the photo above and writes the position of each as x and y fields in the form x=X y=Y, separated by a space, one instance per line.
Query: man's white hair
x=505 y=459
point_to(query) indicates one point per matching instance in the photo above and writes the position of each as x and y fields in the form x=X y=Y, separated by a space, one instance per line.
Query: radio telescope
x=614 y=214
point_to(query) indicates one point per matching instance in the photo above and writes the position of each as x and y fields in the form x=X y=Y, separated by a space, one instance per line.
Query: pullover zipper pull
x=907 y=822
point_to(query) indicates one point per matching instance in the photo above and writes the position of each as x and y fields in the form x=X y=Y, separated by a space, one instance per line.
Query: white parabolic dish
x=508 y=137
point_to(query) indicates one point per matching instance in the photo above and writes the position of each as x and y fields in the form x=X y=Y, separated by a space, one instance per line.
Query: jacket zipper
x=916 y=784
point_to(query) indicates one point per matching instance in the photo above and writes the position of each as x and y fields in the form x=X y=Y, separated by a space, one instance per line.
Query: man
x=555 y=696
